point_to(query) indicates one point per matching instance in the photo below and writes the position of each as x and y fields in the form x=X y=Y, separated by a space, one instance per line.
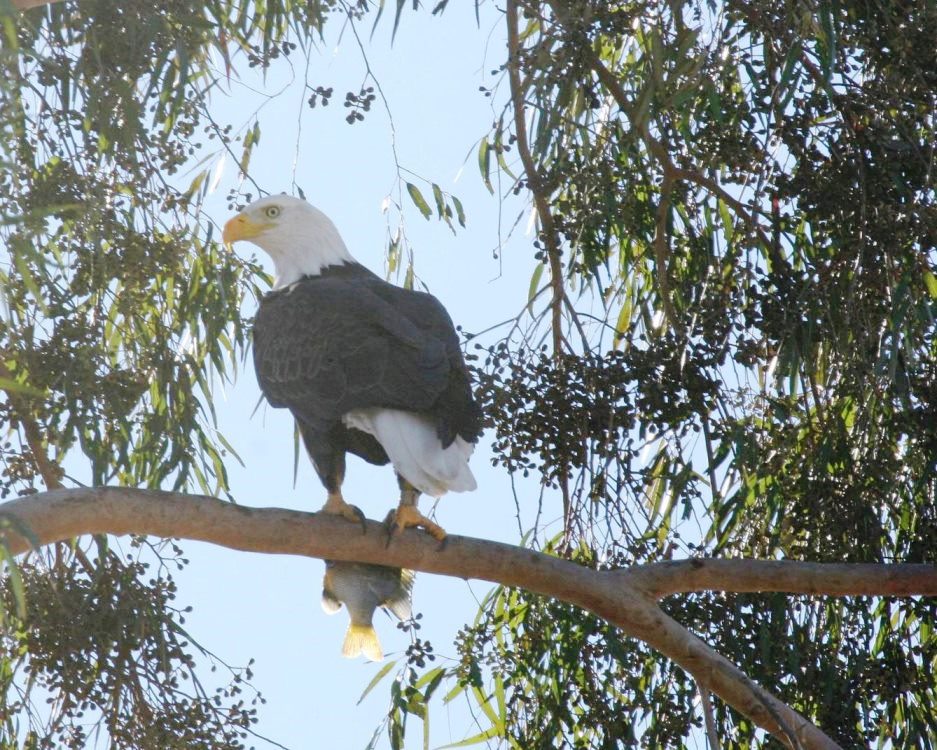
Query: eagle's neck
x=311 y=246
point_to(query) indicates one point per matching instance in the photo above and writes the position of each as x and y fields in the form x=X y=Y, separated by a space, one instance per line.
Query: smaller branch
x=658 y=150
x=542 y=203
x=662 y=247
x=714 y=672
x=707 y=707
x=710 y=457
x=663 y=579
x=574 y=317
x=27 y=4
x=534 y=180
x=50 y=472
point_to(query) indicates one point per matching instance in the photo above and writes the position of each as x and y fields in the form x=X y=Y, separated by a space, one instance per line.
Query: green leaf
x=623 y=324
x=251 y=139
x=930 y=281
x=454 y=693
x=440 y=201
x=828 y=41
x=484 y=704
x=381 y=674
x=459 y=211
x=434 y=684
x=21 y=249
x=400 y=4
x=477 y=739
x=484 y=163
x=16 y=581
x=418 y=200
x=229 y=447
x=195 y=185
x=433 y=674
x=727 y=225
x=499 y=698
x=533 y=288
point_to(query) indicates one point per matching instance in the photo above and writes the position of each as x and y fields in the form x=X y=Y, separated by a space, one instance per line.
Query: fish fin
x=400 y=607
x=400 y=604
x=330 y=604
x=362 y=639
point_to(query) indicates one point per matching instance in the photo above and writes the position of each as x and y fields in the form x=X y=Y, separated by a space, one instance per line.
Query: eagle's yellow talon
x=336 y=505
x=408 y=516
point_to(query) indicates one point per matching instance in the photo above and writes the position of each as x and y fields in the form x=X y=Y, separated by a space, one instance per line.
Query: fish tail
x=362 y=639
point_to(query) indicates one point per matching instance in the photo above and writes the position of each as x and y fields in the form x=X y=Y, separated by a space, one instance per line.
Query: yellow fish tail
x=361 y=639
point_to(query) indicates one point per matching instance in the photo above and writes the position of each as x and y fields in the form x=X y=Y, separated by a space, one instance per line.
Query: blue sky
x=267 y=607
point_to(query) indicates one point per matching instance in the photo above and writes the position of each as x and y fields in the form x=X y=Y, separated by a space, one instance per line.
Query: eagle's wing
x=329 y=345
x=455 y=409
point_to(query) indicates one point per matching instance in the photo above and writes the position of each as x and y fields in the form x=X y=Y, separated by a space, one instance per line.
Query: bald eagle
x=364 y=366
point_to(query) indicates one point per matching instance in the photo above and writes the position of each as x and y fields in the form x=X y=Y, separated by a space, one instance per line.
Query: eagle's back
x=346 y=339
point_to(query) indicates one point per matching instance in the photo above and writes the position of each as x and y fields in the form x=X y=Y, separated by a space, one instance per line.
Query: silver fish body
x=362 y=588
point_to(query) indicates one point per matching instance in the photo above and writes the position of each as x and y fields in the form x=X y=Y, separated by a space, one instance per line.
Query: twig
x=662 y=247
x=574 y=317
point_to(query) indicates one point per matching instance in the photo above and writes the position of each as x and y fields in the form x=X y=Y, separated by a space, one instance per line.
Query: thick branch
x=624 y=598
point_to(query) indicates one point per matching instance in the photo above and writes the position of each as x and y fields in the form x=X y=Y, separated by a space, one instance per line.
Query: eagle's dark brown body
x=347 y=340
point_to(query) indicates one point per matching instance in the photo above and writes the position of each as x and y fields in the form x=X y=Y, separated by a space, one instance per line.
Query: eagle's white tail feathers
x=414 y=449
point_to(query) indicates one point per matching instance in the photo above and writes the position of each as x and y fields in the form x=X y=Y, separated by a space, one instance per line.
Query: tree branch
x=50 y=472
x=659 y=580
x=626 y=598
x=534 y=181
x=662 y=247
x=542 y=202
x=709 y=719
x=27 y=4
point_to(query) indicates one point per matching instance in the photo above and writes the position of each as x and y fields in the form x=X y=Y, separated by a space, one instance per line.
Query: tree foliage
x=748 y=194
x=109 y=645
x=728 y=347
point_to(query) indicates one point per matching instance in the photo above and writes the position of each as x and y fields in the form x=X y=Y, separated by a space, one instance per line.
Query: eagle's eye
x=272 y=212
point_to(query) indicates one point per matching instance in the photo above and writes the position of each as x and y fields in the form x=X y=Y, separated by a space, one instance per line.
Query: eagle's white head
x=299 y=237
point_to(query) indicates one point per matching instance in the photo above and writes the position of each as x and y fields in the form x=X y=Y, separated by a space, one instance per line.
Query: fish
x=362 y=588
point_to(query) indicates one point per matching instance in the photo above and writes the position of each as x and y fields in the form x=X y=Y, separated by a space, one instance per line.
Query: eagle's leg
x=331 y=470
x=408 y=515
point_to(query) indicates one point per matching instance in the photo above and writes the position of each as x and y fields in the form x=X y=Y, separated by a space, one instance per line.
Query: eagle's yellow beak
x=241 y=227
